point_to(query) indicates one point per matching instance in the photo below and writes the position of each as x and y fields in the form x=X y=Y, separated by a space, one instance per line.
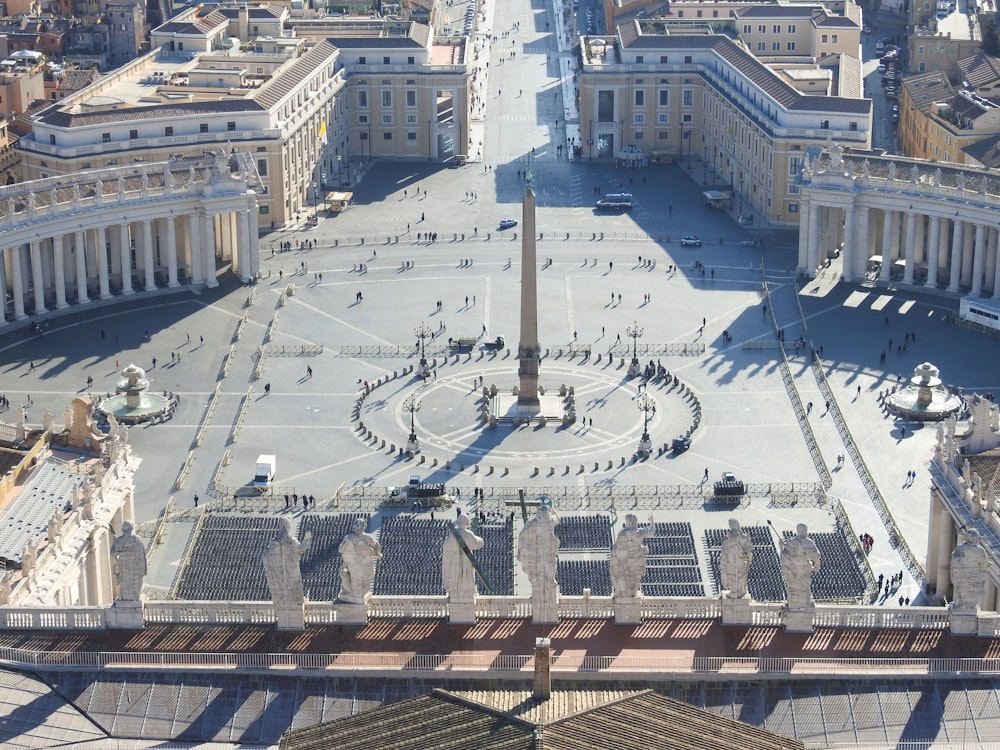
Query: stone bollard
x=572 y=390
x=506 y=470
x=552 y=470
x=491 y=469
x=581 y=468
x=394 y=375
x=598 y=356
x=541 y=390
x=369 y=435
x=621 y=363
x=475 y=469
x=447 y=466
x=392 y=447
x=535 y=473
x=423 y=458
x=623 y=461
x=434 y=462
x=461 y=467
x=596 y=466
x=562 y=389
x=611 y=464
x=567 y=469
x=383 y=445
x=361 y=426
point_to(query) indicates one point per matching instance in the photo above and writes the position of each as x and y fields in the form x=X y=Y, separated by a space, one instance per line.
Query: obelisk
x=528 y=349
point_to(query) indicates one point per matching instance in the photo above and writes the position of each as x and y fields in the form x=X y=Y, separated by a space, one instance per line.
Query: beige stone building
x=312 y=109
x=702 y=95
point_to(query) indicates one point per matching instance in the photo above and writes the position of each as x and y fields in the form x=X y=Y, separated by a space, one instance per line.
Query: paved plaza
x=279 y=367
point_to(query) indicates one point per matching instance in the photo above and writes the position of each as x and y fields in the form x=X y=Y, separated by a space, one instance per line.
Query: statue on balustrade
x=538 y=553
x=799 y=561
x=969 y=564
x=734 y=561
x=282 y=560
x=130 y=564
x=628 y=557
x=457 y=572
x=359 y=550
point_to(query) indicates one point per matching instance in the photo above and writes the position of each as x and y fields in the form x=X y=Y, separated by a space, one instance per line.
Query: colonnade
x=70 y=241
x=934 y=227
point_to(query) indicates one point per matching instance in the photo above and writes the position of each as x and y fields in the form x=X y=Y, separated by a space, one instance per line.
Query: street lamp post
x=687 y=137
x=340 y=175
x=635 y=332
x=704 y=165
x=647 y=406
x=412 y=405
x=423 y=332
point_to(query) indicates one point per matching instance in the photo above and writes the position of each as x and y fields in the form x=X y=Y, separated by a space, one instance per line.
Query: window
x=699 y=14
x=411 y=135
x=663 y=118
x=411 y=60
x=762 y=28
x=52 y=139
x=761 y=46
x=824 y=124
x=747 y=28
x=386 y=98
x=411 y=98
x=203 y=127
x=362 y=119
x=133 y=134
x=791 y=28
x=363 y=135
x=822 y=38
x=386 y=136
x=922 y=68
x=776 y=29
x=687 y=98
x=833 y=38
x=411 y=119
x=168 y=131
x=362 y=98
x=640 y=98
x=793 y=188
x=231 y=126
x=105 y=137
x=920 y=50
x=664 y=59
x=387 y=119
x=262 y=167
x=687 y=119
x=791 y=46
x=852 y=126
x=794 y=165
x=638 y=135
x=362 y=60
x=776 y=46
x=688 y=59
x=638 y=59
x=664 y=98
x=662 y=135
x=261 y=149
x=639 y=119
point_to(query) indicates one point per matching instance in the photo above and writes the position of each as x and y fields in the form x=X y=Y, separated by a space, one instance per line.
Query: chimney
x=542 y=689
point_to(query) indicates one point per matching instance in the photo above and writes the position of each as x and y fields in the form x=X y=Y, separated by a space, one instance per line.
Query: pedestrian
x=706 y=474
x=196 y=501
x=809 y=407
x=201 y=339
x=309 y=371
x=189 y=338
x=859 y=391
x=267 y=389
x=31 y=367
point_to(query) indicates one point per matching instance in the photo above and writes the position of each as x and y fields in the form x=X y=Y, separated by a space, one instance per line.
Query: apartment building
x=953 y=122
x=310 y=114
x=707 y=95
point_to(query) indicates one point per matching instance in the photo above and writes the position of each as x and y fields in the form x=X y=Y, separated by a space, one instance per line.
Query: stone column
x=888 y=226
x=102 y=261
x=968 y=243
x=37 y=276
x=932 y=250
x=996 y=271
x=208 y=250
x=812 y=250
x=946 y=537
x=171 y=252
x=80 y=248
x=125 y=257
x=955 y=270
x=148 y=263
x=991 y=258
x=3 y=287
x=194 y=233
x=979 y=260
x=253 y=237
x=911 y=247
x=17 y=282
x=803 y=257
x=59 y=270
x=860 y=253
x=920 y=252
x=241 y=253
x=850 y=245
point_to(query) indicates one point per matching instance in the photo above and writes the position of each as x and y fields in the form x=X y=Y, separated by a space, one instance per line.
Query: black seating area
x=422 y=491
x=671 y=545
x=840 y=575
x=411 y=557
x=321 y=563
x=591 y=532
x=729 y=488
x=764 y=578
x=225 y=562
x=576 y=575
x=672 y=563
x=496 y=558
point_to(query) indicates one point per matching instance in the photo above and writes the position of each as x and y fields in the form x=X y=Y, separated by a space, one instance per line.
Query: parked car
x=507 y=224
x=689 y=240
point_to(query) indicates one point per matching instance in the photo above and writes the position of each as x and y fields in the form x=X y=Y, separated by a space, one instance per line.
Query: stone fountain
x=133 y=401
x=924 y=399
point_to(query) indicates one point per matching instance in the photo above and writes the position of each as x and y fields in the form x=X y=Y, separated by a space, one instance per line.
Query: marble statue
x=48 y=419
x=130 y=564
x=282 y=560
x=914 y=174
x=969 y=564
x=866 y=168
x=960 y=180
x=937 y=176
x=222 y=163
x=457 y=573
x=538 y=553
x=628 y=557
x=966 y=472
x=734 y=561
x=121 y=186
x=799 y=562
x=358 y=550
x=892 y=171
x=977 y=487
